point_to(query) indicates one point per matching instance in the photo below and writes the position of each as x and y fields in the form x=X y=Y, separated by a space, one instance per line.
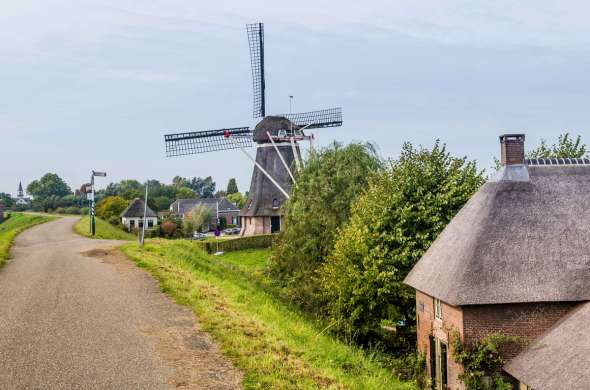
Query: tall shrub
x=320 y=203
x=110 y=208
x=392 y=224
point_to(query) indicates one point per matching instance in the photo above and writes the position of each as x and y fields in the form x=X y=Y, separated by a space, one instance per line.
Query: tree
x=237 y=198
x=6 y=200
x=220 y=194
x=185 y=193
x=232 y=186
x=49 y=185
x=110 y=208
x=320 y=204
x=161 y=203
x=565 y=147
x=392 y=224
x=197 y=219
x=204 y=188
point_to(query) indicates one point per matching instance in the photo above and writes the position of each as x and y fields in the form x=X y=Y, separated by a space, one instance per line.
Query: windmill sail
x=182 y=144
x=331 y=117
x=256 y=41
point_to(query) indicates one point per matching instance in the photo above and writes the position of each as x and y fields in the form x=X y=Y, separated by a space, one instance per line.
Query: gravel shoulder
x=76 y=314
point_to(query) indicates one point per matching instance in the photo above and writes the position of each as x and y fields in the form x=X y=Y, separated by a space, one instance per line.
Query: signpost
x=90 y=196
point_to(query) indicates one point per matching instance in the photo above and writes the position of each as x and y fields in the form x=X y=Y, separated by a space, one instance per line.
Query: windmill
x=276 y=139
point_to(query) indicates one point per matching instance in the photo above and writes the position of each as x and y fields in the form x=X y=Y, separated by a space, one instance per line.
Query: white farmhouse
x=132 y=217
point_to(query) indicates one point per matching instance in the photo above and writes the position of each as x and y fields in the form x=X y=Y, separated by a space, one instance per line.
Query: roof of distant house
x=182 y=206
x=523 y=237
x=564 y=349
x=136 y=210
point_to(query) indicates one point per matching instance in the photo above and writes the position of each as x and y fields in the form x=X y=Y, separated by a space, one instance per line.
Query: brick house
x=515 y=260
x=226 y=211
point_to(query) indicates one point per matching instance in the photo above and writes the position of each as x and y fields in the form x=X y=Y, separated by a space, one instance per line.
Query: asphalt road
x=76 y=315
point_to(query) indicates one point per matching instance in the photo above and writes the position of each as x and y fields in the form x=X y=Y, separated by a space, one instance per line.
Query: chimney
x=512 y=149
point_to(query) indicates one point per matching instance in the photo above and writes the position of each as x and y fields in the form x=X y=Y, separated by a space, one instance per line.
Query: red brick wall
x=426 y=325
x=527 y=320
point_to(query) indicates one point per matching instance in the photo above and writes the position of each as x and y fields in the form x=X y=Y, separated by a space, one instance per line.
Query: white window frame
x=437 y=309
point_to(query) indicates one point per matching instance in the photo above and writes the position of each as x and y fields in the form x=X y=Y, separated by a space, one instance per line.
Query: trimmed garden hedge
x=238 y=244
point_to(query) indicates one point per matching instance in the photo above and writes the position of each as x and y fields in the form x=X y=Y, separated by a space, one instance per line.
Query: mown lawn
x=275 y=345
x=104 y=230
x=14 y=225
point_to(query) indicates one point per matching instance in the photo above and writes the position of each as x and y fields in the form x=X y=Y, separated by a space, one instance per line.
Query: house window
x=150 y=223
x=275 y=203
x=132 y=223
x=437 y=309
x=140 y=223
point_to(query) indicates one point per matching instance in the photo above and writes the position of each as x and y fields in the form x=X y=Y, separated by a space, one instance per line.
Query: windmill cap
x=272 y=125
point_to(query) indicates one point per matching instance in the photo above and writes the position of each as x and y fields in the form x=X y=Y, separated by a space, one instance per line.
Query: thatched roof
x=136 y=209
x=560 y=359
x=518 y=239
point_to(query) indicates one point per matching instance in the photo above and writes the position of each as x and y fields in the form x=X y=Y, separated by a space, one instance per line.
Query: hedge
x=237 y=244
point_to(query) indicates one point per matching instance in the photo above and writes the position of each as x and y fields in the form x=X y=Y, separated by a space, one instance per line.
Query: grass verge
x=14 y=225
x=275 y=345
x=104 y=230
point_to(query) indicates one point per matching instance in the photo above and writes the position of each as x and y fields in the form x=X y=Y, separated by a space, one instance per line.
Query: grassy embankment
x=14 y=225
x=104 y=230
x=274 y=344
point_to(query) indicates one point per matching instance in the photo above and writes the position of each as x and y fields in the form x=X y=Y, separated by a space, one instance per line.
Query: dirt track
x=76 y=315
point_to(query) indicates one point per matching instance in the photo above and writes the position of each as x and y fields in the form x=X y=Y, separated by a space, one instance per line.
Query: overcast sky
x=96 y=84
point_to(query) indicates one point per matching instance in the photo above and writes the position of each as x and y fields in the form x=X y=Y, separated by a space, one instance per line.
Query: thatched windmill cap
x=272 y=124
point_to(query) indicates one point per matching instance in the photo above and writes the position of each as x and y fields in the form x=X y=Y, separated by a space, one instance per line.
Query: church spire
x=21 y=194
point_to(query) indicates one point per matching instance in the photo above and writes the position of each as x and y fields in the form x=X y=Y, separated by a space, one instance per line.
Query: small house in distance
x=514 y=260
x=132 y=217
x=221 y=207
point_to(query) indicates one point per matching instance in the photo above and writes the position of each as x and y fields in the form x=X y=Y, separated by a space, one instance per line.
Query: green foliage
x=160 y=203
x=483 y=361
x=14 y=225
x=565 y=147
x=49 y=185
x=237 y=198
x=6 y=199
x=320 y=204
x=197 y=219
x=393 y=223
x=232 y=187
x=104 y=230
x=203 y=188
x=272 y=343
x=126 y=189
x=111 y=207
x=185 y=193
x=238 y=244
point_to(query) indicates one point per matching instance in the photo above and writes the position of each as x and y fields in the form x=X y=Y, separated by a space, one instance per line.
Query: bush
x=73 y=210
x=238 y=244
x=59 y=210
x=319 y=205
x=168 y=228
x=393 y=223
x=111 y=207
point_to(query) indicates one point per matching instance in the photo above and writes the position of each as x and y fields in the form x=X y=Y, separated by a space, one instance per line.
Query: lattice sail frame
x=330 y=117
x=256 y=43
x=183 y=144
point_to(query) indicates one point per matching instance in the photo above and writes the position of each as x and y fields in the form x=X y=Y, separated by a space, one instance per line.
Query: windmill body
x=261 y=213
x=275 y=138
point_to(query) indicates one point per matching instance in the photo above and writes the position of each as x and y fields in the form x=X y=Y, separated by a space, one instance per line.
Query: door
x=441 y=365
x=432 y=361
x=275 y=224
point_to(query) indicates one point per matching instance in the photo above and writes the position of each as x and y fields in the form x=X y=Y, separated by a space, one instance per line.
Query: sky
x=96 y=84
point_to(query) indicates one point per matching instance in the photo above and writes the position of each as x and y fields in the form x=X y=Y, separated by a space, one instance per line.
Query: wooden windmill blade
x=331 y=117
x=182 y=144
x=256 y=42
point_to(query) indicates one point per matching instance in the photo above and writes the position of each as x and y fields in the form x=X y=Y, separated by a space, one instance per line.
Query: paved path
x=76 y=315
